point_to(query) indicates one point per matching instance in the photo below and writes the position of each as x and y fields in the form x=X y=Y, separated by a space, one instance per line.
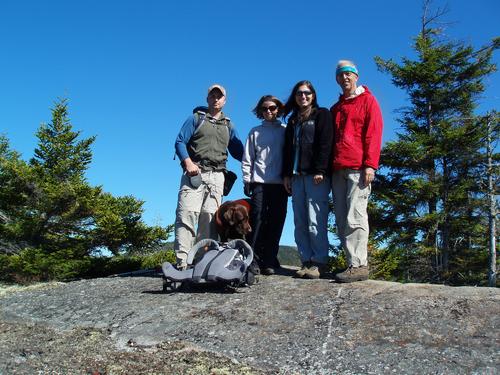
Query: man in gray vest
x=202 y=146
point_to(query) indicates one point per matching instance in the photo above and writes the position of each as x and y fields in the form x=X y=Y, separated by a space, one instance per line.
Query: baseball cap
x=217 y=86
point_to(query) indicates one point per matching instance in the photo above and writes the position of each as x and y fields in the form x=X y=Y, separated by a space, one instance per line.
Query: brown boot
x=302 y=272
x=316 y=270
x=267 y=271
x=352 y=274
x=312 y=272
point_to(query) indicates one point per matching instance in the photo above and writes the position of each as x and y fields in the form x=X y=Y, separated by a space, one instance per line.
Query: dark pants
x=267 y=218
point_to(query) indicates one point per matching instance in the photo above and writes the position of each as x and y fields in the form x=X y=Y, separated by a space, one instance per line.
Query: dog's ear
x=239 y=214
x=228 y=215
x=244 y=213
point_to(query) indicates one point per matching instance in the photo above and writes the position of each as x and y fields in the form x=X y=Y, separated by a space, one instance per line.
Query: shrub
x=31 y=265
x=157 y=259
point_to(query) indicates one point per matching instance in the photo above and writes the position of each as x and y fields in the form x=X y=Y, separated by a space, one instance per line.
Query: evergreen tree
x=61 y=207
x=60 y=155
x=428 y=206
x=9 y=159
x=16 y=186
x=48 y=208
x=118 y=226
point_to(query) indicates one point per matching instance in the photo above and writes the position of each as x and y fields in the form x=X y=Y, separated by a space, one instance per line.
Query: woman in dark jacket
x=306 y=175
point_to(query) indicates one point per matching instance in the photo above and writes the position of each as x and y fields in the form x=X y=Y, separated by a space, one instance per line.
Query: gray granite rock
x=281 y=325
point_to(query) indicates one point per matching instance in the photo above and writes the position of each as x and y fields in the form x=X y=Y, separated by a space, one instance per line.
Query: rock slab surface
x=281 y=325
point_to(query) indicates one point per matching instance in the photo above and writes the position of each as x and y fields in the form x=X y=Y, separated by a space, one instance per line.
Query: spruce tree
x=52 y=220
x=428 y=207
x=60 y=154
x=62 y=202
x=16 y=186
x=49 y=206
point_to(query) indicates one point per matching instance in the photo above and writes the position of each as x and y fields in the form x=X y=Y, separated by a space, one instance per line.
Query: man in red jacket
x=357 y=122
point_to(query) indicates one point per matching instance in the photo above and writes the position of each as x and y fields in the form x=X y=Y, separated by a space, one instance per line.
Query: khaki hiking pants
x=195 y=212
x=350 y=200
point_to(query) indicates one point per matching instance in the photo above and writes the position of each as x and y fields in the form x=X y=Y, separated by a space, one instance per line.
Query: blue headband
x=347 y=68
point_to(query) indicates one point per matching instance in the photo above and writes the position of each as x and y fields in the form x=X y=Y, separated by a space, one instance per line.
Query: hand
x=247 y=189
x=191 y=168
x=287 y=182
x=318 y=179
x=369 y=175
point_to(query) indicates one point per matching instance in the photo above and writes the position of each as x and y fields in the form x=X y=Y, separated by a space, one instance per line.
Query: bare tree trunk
x=446 y=226
x=432 y=236
x=492 y=269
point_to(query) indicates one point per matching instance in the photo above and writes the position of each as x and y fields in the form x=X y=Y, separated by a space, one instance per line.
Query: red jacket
x=357 y=124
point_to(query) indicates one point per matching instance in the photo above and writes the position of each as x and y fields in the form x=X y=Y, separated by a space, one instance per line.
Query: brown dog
x=232 y=220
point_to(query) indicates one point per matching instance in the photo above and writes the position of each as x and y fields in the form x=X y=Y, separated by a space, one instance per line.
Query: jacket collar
x=359 y=91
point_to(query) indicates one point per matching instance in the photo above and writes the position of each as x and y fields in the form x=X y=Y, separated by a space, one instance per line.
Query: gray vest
x=208 y=145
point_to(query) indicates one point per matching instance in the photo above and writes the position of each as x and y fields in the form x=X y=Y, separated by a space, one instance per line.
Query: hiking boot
x=254 y=268
x=267 y=271
x=312 y=272
x=316 y=270
x=302 y=272
x=353 y=274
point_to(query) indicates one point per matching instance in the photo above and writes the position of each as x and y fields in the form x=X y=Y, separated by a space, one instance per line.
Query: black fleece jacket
x=314 y=147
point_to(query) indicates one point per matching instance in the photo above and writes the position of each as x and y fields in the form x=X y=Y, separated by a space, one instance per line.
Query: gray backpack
x=210 y=261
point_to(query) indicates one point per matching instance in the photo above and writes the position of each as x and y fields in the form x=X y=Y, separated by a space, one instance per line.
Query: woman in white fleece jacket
x=262 y=168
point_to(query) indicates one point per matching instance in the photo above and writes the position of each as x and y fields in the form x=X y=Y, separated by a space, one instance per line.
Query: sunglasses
x=305 y=92
x=271 y=108
x=216 y=95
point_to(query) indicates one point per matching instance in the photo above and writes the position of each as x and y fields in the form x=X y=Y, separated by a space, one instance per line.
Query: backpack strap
x=199 y=117
x=201 y=246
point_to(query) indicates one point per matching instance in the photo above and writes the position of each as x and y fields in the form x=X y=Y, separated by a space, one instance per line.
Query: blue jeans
x=310 y=214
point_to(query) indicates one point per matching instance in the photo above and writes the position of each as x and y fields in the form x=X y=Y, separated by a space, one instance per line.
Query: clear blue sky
x=133 y=71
